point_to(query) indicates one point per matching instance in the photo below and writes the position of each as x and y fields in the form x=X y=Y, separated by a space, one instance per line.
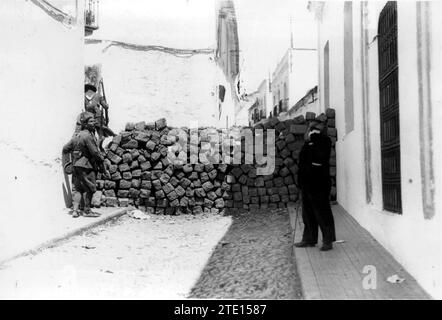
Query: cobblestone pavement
x=252 y=261
x=163 y=257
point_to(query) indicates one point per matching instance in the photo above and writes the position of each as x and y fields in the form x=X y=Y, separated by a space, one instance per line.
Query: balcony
x=90 y=16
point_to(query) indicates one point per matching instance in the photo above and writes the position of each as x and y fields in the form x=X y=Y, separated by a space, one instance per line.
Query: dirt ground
x=208 y=256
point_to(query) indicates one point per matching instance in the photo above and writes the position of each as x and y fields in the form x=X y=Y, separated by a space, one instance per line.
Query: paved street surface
x=162 y=258
x=356 y=268
x=253 y=260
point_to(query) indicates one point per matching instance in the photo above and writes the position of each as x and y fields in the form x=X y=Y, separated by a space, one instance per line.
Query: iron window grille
x=91 y=14
x=389 y=108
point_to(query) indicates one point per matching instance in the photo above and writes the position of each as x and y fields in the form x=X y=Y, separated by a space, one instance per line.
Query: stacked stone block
x=207 y=173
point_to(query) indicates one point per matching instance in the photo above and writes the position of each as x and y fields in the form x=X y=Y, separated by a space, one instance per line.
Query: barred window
x=389 y=108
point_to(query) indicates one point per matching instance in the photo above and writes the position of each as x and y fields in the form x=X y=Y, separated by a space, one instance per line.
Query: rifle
x=106 y=114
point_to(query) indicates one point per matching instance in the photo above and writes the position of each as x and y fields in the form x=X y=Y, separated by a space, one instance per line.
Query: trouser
x=84 y=181
x=316 y=211
x=77 y=198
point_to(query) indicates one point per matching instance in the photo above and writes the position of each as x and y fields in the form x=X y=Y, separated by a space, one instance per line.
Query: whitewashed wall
x=231 y=111
x=303 y=74
x=311 y=107
x=41 y=93
x=280 y=76
x=148 y=85
x=414 y=241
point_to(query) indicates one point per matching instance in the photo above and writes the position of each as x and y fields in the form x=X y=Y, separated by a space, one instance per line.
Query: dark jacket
x=314 y=167
x=86 y=153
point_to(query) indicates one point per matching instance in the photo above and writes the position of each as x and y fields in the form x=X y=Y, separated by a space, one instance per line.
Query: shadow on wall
x=252 y=261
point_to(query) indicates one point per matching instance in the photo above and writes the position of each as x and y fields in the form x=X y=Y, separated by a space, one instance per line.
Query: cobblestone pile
x=166 y=170
x=148 y=168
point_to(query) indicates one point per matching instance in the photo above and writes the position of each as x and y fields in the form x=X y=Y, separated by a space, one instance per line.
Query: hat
x=88 y=87
x=317 y=124
x=85 y=116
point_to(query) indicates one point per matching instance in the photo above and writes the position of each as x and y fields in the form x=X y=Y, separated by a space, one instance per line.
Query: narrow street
x=254 y=260
x=163 y=257
x=223 y=149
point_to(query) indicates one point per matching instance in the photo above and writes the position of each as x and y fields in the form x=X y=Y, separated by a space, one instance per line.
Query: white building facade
x=227 y=58
x=308 y=103
x=293 y=77
x=262 y=102
x=380 y=69
x=280 y=86
x=41 y=92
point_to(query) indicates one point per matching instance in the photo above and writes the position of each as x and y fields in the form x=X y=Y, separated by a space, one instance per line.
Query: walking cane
x=298 y=208
x=297 y=215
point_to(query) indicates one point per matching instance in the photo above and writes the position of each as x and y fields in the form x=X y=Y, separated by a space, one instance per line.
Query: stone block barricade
x=165 y=170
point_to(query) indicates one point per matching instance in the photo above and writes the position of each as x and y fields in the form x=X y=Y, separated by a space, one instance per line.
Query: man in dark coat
x=314 y=182
x=87 y=160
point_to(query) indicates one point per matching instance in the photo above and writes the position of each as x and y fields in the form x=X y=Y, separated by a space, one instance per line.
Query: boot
x=326 y=247
x=304 y=244
x=91 y=214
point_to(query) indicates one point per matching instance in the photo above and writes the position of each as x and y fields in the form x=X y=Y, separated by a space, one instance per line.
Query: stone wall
x=199 y=173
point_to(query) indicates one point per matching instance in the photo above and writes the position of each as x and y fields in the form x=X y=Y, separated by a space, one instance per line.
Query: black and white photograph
x=227 y=150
